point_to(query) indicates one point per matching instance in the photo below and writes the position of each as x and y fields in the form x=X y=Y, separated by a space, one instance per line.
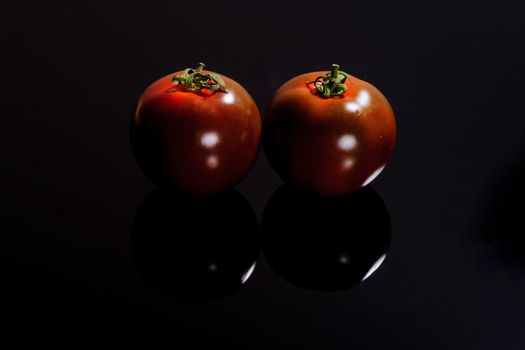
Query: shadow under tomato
x=325 y=243
x=194 y=248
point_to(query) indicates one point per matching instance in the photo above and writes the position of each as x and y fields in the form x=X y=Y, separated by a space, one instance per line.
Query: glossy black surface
x=194 y=249
x=454 y=276
x=325 y=243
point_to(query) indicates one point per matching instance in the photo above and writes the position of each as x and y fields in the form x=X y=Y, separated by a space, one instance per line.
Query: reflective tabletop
x=430 y=255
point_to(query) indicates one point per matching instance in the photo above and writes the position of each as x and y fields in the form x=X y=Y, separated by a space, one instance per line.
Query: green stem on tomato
x=194 y=80
x=331 y=84
x=335 y=71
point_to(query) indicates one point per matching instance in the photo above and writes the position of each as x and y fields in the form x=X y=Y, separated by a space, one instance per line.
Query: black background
x=454 y=277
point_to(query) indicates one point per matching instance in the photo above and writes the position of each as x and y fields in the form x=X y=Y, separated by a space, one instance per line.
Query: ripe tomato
x=195 y=131
x=328 y=132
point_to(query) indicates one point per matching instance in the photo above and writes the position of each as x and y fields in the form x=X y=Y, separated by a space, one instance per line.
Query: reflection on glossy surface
x=210 y=139
x=229 y=98
x=374 y=175
x=362 y=101
x=192 y=248
x=347 y=163
x=347 y=142
x=325 y=244
x=212 y=161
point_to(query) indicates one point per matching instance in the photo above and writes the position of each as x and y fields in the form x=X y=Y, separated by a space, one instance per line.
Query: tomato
x=328 y=132
x=194 y=247
x=195 y=131
x=325 y=243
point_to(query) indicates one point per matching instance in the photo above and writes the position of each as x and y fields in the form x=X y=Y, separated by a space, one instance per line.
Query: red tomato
x=195 y=131
x=328 y=132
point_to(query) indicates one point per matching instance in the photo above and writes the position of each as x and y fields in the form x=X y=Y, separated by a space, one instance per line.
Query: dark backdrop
x=454 y=277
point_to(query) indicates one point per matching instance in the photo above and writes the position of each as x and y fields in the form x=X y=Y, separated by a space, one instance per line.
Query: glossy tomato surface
x=196 y=142
x=331 y=146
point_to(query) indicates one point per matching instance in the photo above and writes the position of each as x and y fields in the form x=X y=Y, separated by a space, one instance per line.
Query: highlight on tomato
x=329 y=132
x=195 y=131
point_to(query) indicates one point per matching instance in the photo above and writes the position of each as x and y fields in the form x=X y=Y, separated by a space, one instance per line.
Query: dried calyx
x=195 y=80
x=331 y=84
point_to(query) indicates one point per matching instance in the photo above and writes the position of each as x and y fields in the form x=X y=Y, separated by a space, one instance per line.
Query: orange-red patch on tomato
x=206 y=92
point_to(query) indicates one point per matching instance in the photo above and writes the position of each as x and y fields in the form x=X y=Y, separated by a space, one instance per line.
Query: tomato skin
x=331 y=146
x=198 y=143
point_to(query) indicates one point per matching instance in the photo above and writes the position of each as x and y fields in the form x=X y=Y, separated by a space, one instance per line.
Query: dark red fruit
x=329 y=132
x=195 y=131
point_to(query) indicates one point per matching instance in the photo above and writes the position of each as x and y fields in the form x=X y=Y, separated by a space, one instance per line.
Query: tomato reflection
x=192 y=248
x=323 y=243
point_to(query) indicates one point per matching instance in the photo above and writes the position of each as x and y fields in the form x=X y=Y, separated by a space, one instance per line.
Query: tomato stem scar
x=331 y=84
x=195 y=80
